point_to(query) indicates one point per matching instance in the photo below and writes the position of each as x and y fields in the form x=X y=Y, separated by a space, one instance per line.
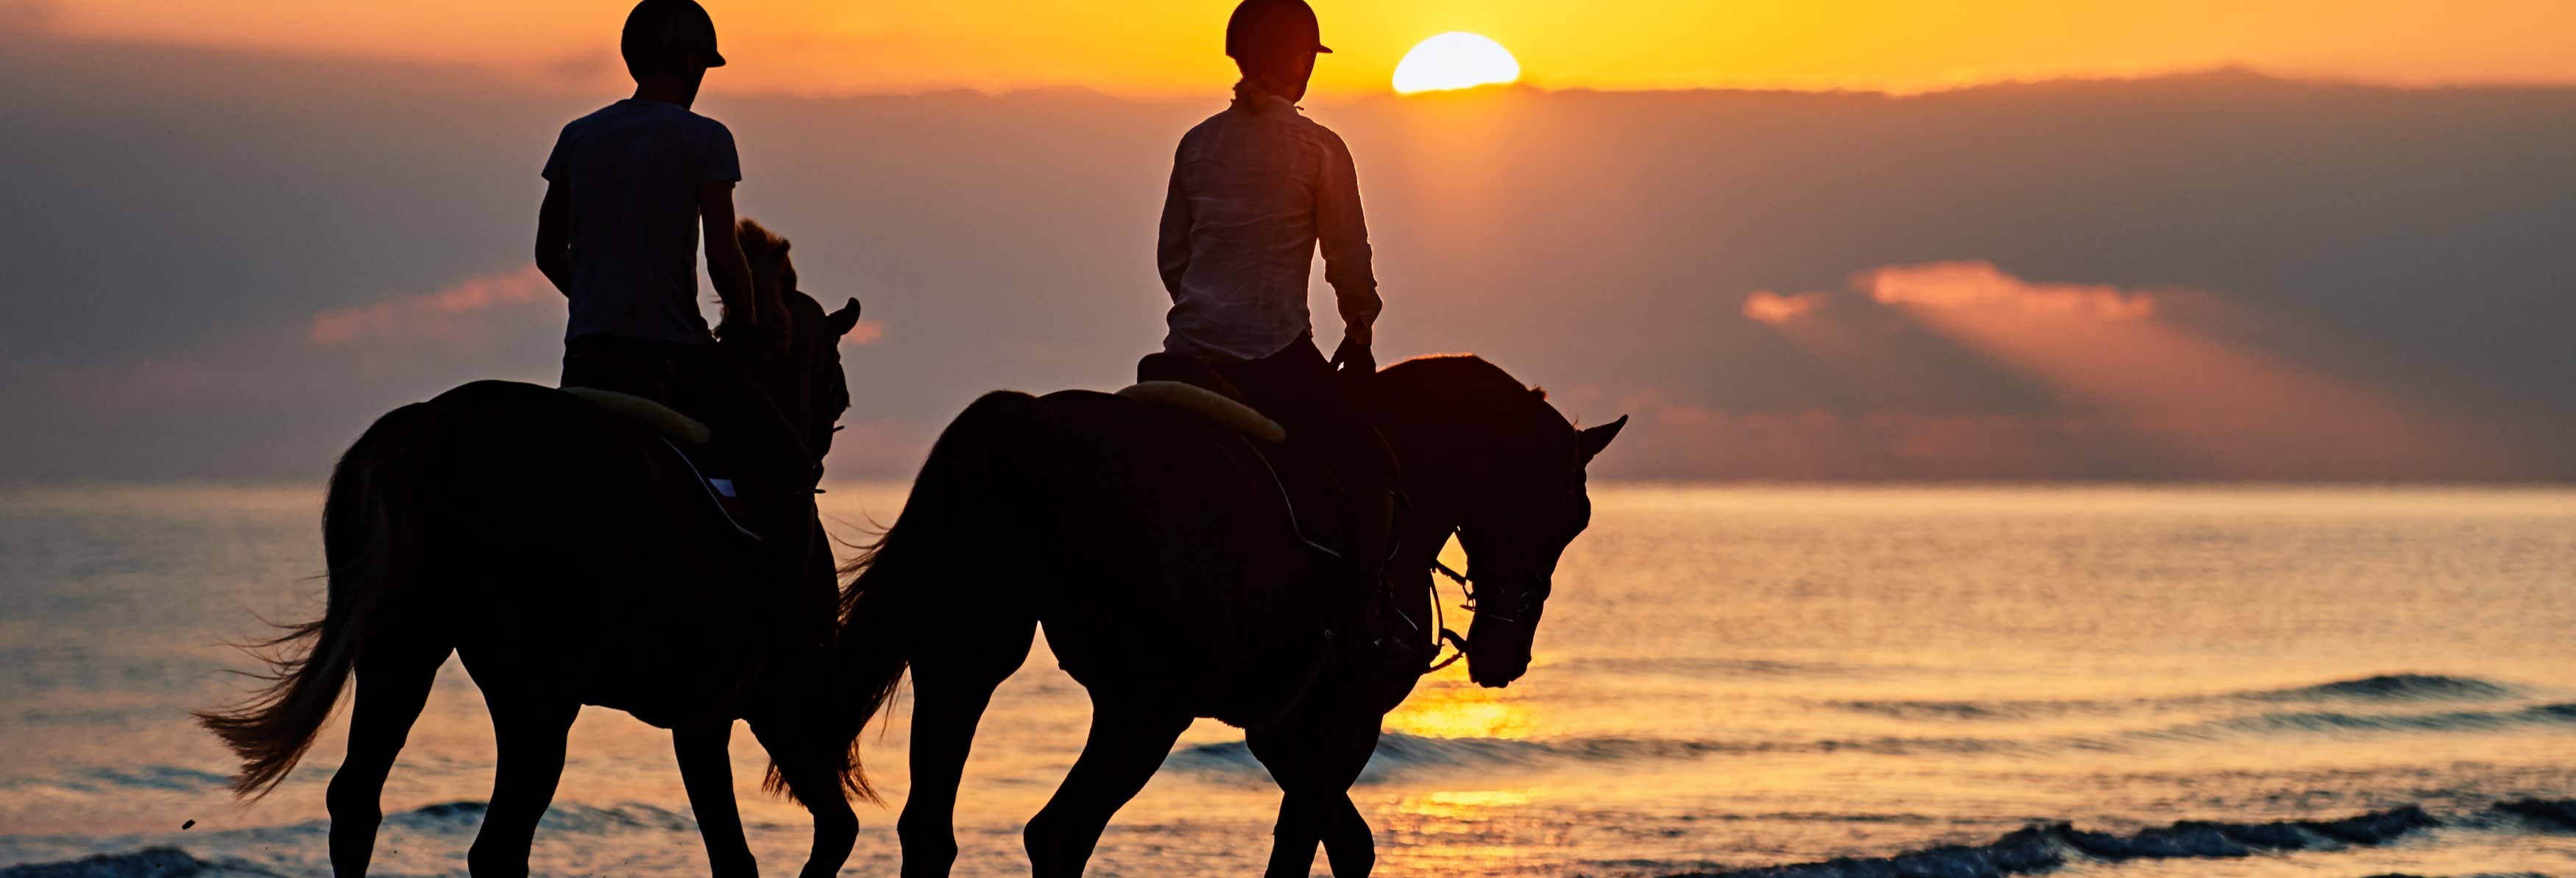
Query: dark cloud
x=199 y=211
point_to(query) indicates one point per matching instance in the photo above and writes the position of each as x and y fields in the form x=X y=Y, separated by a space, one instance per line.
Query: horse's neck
x=1433 y=473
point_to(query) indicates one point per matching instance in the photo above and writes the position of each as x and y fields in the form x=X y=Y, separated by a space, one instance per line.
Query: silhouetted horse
x=1157 y=552
x=570 y=558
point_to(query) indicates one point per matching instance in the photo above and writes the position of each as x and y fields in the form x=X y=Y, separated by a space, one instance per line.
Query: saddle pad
x=656 y=417
x=1207 y=404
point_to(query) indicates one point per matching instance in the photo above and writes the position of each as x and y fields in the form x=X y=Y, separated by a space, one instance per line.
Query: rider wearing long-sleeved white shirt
x=1256 y=190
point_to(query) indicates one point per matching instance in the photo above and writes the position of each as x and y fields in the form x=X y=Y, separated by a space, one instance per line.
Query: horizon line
x=2238 y=71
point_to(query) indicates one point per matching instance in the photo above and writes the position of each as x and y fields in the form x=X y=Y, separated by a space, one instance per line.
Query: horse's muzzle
x=1499 y=654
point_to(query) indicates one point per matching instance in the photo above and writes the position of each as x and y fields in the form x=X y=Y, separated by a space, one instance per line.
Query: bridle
x=1466 y=590
x=1440 y=618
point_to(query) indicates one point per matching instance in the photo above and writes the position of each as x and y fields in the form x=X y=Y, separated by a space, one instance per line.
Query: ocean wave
x=168 y=778
x=1399 y=755
x=2043 y=847
x=153 y=862
x=2395 y=687
x=564 y=817
x=1703 y=667
x=156 y=778
x=2554 y=815
x=2337 y=721
x=457 y=821
x=2382 y=688
x=2047 y=846
x=1989 y=710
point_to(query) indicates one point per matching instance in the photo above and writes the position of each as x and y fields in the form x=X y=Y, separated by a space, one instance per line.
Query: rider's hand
x=1353 y=358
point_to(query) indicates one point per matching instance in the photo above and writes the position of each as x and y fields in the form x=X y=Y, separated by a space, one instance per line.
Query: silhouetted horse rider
x=629 y=188
x=1255 y=191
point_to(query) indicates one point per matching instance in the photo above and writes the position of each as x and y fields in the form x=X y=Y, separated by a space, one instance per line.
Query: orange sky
x=1172 y=46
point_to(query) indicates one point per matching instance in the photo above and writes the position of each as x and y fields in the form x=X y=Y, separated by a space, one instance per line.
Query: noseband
x=1440 y=617
x=1467 y=589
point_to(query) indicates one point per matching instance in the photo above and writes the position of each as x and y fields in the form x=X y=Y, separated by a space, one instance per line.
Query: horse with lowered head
x=1174 y=583
x=570 y=557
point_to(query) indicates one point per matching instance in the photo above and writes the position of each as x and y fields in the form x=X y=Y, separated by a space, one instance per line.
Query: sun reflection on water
x=1451 y=832
x=1450 y=706
x=1463 y=803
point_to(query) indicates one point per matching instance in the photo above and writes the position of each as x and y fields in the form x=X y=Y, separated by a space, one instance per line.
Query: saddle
x=1308 y=487
x=1318 y=499
x=1228 y=412
x=678 y=432
x=652 y=417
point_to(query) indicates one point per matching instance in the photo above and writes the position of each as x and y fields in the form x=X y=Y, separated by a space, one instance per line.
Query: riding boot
x=820 y=585
x=803 y=559
x=1370 y=514
x=792 y=563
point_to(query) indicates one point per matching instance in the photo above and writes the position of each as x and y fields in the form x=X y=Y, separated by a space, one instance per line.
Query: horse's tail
x=978 y=474
x=371 y=536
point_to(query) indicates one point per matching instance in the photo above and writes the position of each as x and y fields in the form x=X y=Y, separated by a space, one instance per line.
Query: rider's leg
x=775 y=475
x=636 y=368
x=1165 y=366
x=1299 y=388
x=718 y=388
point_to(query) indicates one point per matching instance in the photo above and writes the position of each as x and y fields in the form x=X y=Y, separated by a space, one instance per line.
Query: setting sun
x=1455 y=60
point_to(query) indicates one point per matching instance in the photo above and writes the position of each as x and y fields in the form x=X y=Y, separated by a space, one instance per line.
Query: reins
x=1440 y=617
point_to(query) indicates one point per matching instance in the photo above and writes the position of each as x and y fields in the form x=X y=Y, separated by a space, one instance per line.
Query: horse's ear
x=844 y=320
x=1598 y=438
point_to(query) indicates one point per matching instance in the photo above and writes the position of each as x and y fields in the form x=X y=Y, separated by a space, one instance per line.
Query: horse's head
x=806 y=381
x=1514 y=491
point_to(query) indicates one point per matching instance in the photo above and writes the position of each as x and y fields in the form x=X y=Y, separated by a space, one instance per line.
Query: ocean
x=2140 y=682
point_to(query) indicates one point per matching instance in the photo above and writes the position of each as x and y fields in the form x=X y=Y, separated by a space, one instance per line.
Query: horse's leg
x=706 y=769
x=951 y=688
x=1348 y=844
x=836 y=827
x=1315 y=765
x=394 y=679
x=1293 y=837
x=1128 y=742
x=529 y=729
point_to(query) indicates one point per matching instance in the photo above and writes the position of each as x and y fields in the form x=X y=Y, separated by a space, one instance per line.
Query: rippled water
x=1728 y=678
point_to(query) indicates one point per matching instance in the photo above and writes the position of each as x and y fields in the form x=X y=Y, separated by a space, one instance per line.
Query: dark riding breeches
x=752 y=443
x=1298 y=388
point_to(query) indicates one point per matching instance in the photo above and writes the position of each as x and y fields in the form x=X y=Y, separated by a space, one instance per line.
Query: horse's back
x=570 y=538
x=1189 y=578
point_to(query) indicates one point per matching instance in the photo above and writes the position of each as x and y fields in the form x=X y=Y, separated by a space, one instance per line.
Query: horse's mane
x=766 y=253
x=1458 y=372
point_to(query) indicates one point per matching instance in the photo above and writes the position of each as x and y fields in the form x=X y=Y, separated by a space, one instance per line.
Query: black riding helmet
x=660 y=32
x=1271 y=29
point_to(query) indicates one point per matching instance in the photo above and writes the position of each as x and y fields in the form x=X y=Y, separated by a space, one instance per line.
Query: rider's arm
x=725 y=262
x=554 y=238
x=1342 y=233
x=1172 y=251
